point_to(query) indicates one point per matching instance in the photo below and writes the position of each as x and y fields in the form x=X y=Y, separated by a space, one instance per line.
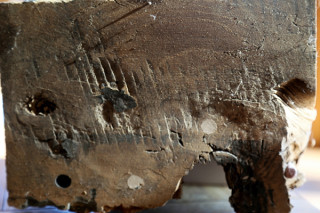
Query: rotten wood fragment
x=108 y=104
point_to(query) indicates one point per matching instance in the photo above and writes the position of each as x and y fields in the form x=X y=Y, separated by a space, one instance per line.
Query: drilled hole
x=63 y=181
x=39 y=104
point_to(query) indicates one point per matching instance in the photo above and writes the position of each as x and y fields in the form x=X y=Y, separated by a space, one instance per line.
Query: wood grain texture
x=117 y=94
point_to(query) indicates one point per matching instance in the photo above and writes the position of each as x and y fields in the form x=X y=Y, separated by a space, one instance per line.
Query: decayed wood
x=108 y=104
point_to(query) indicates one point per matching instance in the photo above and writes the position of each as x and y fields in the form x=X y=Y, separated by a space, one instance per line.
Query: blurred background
x=316 y=124
x=205 y=189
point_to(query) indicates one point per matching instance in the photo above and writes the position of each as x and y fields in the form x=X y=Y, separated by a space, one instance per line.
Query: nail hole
x=63 y=181
x=289 y=172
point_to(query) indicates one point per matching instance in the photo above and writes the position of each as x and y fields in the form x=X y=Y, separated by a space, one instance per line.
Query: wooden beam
x=108 y=104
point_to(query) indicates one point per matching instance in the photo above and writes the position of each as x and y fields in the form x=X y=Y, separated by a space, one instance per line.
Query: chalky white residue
x=135 y=182
x=208 y=126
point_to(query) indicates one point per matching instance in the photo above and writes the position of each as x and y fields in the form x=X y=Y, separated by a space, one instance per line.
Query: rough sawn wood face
x=123 y=97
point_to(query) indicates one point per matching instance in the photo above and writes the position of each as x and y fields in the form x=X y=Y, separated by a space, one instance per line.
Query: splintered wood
x=108 y=104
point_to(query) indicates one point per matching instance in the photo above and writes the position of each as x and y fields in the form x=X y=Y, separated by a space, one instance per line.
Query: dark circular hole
x=63 y=181
x=289 y=172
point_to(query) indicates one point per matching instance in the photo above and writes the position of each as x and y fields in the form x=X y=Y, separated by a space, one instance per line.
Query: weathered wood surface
x=123 y=97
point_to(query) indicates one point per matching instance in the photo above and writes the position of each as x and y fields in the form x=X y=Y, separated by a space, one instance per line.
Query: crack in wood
x=124 y=16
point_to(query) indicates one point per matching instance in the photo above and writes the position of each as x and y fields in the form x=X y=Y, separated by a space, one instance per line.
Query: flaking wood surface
x=124 y=97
